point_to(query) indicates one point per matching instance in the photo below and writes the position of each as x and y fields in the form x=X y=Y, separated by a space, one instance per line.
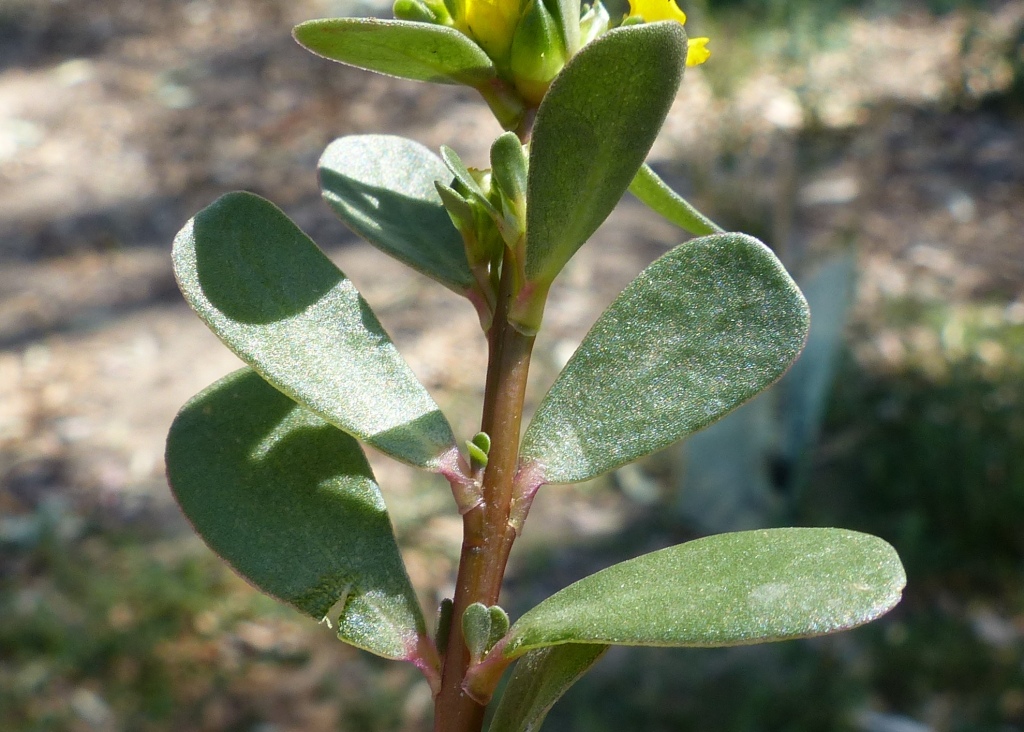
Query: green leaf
x=700 y=331
x=383 y=187
x=406 y=49
x=278 y=302
x=661 y=199
x=539 y=679
x=593 y=131
x=290 y=502
x=724 y=590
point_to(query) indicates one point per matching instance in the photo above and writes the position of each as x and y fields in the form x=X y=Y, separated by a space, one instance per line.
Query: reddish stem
x=487 y=533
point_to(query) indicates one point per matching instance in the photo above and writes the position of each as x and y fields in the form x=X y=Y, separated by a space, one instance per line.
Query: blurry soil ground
x=897 y=135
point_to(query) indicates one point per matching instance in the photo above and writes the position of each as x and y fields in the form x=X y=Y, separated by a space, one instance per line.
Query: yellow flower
x=697 y=51
x=654 y=10
x=651 y=11
x=491 y=23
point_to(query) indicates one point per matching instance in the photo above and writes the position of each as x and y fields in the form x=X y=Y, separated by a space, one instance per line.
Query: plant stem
x=487 y=535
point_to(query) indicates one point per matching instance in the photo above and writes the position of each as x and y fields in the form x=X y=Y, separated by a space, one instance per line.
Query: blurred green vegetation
x=128 y=630
x=135 y=630
x=782 y=11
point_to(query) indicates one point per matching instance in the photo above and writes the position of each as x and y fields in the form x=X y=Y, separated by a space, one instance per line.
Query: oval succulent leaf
x=539 y=679
x=700 y=331
x=290 y=502
x=593 y=131
x=409 y=50
x=278 y=302
x=383 y=187
x=724 y=590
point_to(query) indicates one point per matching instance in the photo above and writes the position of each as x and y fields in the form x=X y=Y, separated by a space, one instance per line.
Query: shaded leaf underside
x=290 y=502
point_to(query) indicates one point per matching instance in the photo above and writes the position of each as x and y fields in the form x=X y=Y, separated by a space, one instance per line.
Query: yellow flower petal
x=697 y=51
x=654 y=10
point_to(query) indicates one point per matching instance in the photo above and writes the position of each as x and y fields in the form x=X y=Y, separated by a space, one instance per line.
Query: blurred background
x=877 y=145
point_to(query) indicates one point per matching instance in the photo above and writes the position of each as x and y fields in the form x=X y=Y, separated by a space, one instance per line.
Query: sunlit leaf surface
x=724 y=590
x=277 y=301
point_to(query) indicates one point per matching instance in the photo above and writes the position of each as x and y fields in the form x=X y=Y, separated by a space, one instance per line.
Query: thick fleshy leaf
x=593 y=131
x=540 y=679
x=278 y=302
x=290 y=502
x=656 y=194
x=418 y=51
x=383 y=187
x=724 y=590
x=700 y=331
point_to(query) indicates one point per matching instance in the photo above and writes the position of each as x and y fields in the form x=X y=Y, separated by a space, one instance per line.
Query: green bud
x=440 y=10
x=476 y=455
x=415 y=10
x=479 y=448
x=538 y=52
x=482 y=627
x=482 y=440
x=476 y=630
x=508 y=168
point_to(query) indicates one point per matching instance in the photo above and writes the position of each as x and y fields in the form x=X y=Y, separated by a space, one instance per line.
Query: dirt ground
x=119 y=120
x=116 y=126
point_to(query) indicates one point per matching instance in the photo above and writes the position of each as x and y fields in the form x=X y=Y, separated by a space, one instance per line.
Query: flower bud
x=538 y=52
x=492 y=24
x=415 y=10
